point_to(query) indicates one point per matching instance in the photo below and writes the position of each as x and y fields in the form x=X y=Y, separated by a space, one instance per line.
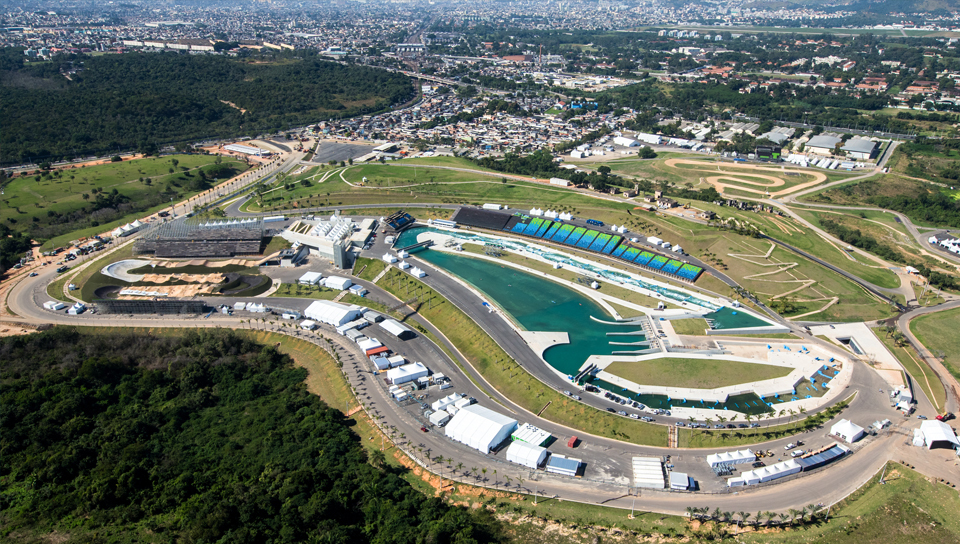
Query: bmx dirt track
x=732 y=176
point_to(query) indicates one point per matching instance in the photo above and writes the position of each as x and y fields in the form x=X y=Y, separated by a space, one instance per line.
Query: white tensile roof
x=731 y=457
x=936 y=431
x=526 y=454
x=479 y=427
x=846 y=428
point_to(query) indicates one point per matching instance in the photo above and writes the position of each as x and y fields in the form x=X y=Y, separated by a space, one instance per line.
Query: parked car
x=681 y=424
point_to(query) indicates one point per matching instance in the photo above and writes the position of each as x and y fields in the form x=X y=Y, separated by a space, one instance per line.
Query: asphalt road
x=608 y=472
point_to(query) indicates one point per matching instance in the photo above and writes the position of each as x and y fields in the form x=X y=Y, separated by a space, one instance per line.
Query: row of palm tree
x=790 y=517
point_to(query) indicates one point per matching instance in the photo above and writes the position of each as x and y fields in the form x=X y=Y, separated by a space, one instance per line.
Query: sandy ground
x=737 y=178
x=192 y=278
x=203 y=262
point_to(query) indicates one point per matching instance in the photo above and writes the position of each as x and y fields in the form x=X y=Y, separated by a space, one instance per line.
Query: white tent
x=480 y=428
x=439 y=418
x=331 y=313
x=766 y=474
x=382 y=363
x=525 y=454
x=441 y=404
x=310 y=278
x=847 y=430
x=937 y=434
x=388 y=258
x=308 y=325
x=731 y=458
x=397 y=329
x=337 y=282
x=406 y=373
x=531 y=435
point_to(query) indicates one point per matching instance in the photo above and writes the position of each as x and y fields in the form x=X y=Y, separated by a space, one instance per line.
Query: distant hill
x=115 y=102
x=872 y=6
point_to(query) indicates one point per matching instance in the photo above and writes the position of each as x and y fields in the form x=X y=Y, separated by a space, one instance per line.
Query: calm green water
x=539 y=305
x=728 y=318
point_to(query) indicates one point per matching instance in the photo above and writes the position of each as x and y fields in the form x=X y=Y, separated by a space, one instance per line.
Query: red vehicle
x=424 y=429
x=946 y=416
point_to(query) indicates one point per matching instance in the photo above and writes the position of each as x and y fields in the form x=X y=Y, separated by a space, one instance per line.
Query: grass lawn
x=57 y=200
x=693 y=326
x=368 y=269
x=938 y=332
x=694 y=373
x=505 y=375
x=907 y=507
x=917 y=368
x=303 y=291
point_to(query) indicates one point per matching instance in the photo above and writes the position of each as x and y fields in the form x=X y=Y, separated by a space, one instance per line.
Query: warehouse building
x=480 y=428
x=822 y=144
x=563 y=465
x=397 y=329
x=857 y=148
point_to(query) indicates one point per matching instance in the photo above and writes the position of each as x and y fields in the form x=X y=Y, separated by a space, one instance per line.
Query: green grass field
x=938 y=333
x=692 y=326
x=907 y=506
x=57 y=198
x=922 y=374
x=694 y=373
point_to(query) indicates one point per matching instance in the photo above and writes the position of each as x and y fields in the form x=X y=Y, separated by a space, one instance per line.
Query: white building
x=310 y=278
x=525 y=454
x=439 y=419
x=406 y=373
x=397 y=329
x=337 y=282
x=648 y=473
x=331 y=313
x=847 y=431
x=625 y=142
x=480 y=428
x=531 y=435
x=937 y=434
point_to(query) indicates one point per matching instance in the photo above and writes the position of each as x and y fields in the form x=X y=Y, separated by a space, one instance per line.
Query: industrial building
x=180 y=238
x=480 y=428
x=858 y=148
x=330 y=238
x=822 y=144
x=563 y=465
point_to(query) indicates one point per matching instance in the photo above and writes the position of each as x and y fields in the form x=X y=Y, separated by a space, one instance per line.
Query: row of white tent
x=950 y=244
x=551 y=214
x=820 y=162
x=766 y=474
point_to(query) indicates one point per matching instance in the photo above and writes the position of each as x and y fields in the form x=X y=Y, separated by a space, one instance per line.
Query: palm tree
x=756 y=519
x=496 y=481
x=484 y=474
x=508 y=479
x=716 y=514
x=812 y=510
x=783 y=517
x=769 y=515
x=474 y=471
x=744 y=516
x=691 y=511
x=459 y=466
x=793 y=515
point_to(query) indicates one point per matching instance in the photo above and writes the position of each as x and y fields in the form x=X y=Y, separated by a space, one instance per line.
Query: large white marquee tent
x=480 y=428
x=331 y=313
x=731 y=458
x=526 y=454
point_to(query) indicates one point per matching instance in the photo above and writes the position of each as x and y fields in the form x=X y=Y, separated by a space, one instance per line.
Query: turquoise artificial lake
x=538 y=305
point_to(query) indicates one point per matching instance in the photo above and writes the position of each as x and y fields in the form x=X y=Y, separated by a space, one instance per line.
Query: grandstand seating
x=657 y=262
x=671 y=267
x=552 y=230
x=543 y=228
x=533 y=226
x=599 y=243
x=587 y=238
x=562 y=234
x=619 y=251
x=644 y=258
x=519 y=228
x=575 y=236
x=486 y=219
x=689 y=272
x=630 y=254
x=614 y=242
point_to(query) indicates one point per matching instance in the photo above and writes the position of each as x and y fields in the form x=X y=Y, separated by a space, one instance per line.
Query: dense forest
x=204 y=437
x=13 y=245
x=77 y=106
